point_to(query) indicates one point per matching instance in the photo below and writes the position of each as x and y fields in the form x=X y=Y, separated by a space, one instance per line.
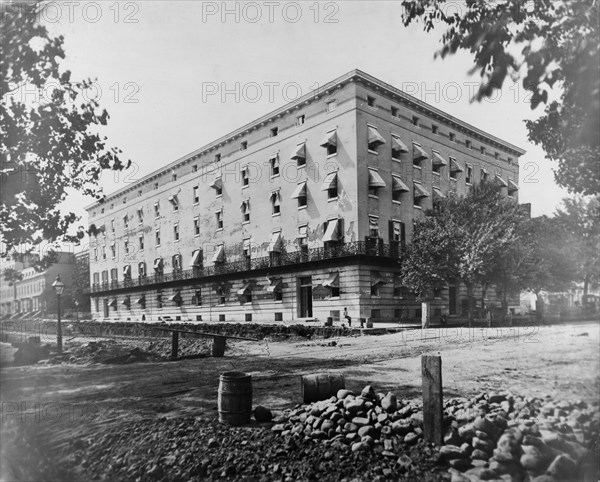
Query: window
x=510 y=161
x=482 y=149
x=371 y=101
x=195 y=168
x=124 y=200
x=419 y=194
x=103 y=252
x=157 y=237
x=300 y=120
x=469 y=175
x=452 y=137
x=196 y=226
x=333 y=233
x=197 y=299
x=274 y=165
x=331 y=105
x=217 y=185
x=496 y=155
x=332 y=283
x=96 y=278
x=174 y=177
x=437 y=162
x=174 y=202
x=95 y=254
x=373 y=226
x=158 y=267
x=398 y=187
x=419 y=155
x=177 y=266
x=159 y=299
x=243 y=145
x=455 y=169
x=141 y=241
x=375 y=183
x=176 y=232
x=126 y=246
x=155 y=185
x=245 y=206
x=156 y=209
x=142 y=269
x=275 y=203
x=468 y=144
x=394 y=111
x=302 y=239
x=398 y=147
x=113 y=251
x=195 y=195
x=300 y=193
x=217 y=157
x=221 y=293
x=397 y=235
x=376 y=282
x=197 y=262
x=415 y=121
x=219 y=219
x=246 y=251
x=274 y=131
x=245 y=176
x=300 y=155
x=140 y=214
x=330 y=184
x=112 y=225
x=434 y=129
x=330 y=142
x=374 y=139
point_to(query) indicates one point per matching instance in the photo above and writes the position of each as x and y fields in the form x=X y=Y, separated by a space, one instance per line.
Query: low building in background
x=295 y=216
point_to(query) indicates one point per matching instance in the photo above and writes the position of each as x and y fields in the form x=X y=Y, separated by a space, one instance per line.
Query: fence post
x=431 y=367
x=175 y=345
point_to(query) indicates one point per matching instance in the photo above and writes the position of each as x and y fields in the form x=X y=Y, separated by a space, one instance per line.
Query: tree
x=548 y=44
x=580 y=217
x=81 y=283
x=48 y=145
x=459 y=240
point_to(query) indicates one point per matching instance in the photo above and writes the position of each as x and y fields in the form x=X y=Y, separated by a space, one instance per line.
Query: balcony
x=345 y=250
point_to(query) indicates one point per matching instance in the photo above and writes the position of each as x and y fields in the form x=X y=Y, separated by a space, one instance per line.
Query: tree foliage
x=547 y=44
x=460 y=240
x=48 y=144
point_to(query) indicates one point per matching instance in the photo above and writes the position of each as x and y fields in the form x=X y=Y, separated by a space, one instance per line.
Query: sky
x=176 y=75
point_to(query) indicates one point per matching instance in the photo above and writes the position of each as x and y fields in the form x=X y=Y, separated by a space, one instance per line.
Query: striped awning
x=438 y=160
x=398 y=145
x=300 y=152
x=375 y=138
x=330 y=181
x=419 y=191
x=375 y=179
x=330 y=139
x=300 y=191
x=419 y=153
x=398 y=184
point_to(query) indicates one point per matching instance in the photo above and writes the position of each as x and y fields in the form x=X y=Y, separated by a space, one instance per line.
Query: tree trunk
x=470 y=303
x=586 y=283
x=539 y=307
x=425 y=314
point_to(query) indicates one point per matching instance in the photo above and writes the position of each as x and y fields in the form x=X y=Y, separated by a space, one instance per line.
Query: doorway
x=305 y=296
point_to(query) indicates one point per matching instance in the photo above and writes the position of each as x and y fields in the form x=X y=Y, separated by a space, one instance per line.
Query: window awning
x=275 y=159
x=219 y=254
x=275 y=244
x=512 y=186
x=330 y=181
x=419 y=153
x=175 y=297
x=398 y=145
x=330 y=139
x=501 y=181
x=300 y=191
x=217 y=183
x=333 y=280
x=398 y=184
x=437 y=193
x=245 y=206
x=173 y=199
x=126 y=301
x=331 y=233
x=196 y=258
x=300 y=152
x=245 y=289
x=455 y=166
x=274 y=284
x=484 y=171
x=127 y=270
x=438 y=160
x=375 y=138
x=419 y=191
x=113 y=302
x=141 y=300
x=375 y=179
x=276 y=198
x=377 y=279
x=158 y=262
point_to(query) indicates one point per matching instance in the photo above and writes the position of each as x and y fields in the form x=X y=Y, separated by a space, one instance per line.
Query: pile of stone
x=490 y=437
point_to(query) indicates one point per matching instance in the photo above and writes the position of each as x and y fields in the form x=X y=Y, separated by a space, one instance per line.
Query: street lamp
x=59 y=287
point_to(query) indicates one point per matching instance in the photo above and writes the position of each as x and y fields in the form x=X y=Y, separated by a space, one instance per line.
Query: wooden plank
x=431 y=368
x=198 y=333
x=175 y=345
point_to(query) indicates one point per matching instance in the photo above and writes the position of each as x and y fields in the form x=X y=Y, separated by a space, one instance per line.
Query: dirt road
x=63 y=402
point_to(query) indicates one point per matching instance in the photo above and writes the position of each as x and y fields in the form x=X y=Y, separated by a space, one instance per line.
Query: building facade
x=31 y=293
x=295 y=216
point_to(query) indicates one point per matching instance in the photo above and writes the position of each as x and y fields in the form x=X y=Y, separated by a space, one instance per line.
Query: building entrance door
x=452 y=299
x=305 y=296
x=105 y=305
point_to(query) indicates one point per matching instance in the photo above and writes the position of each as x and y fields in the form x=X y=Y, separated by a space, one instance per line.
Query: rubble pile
x=490 y=437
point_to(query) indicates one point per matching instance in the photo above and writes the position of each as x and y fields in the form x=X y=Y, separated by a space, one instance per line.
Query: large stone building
x=294 y=216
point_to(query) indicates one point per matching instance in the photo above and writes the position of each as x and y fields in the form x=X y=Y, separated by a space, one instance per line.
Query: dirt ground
x=62 y=403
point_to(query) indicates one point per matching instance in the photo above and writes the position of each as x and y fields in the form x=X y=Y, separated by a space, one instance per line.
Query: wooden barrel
x=235 y=398
x=218 y=346
x=321 y=386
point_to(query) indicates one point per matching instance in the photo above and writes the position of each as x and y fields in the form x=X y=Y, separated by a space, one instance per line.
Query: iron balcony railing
x=368 y=248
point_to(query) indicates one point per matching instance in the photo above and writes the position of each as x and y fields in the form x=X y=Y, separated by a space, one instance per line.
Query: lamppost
x=59 y=287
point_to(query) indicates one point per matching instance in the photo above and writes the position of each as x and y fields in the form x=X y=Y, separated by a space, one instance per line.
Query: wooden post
x=425 y=314
x=431 y=367
x=175 y=345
